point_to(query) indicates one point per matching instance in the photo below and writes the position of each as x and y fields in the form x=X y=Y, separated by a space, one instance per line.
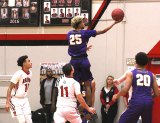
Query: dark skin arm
x=11 y=86
x=107 y=28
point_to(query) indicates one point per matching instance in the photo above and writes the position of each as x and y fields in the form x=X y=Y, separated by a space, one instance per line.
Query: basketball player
x=61 y=15
x=69 y=14
x=85 y=19
x=142 y=82
x=25 y=3
x=47 y=21
x=54 y=14
x=46 y=9
x=77 y=40
x=77 y=12
x=68 y=91
x=4 y=13
x=17 y=100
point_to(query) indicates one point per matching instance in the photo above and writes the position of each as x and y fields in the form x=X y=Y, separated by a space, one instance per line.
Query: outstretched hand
x=118 y=21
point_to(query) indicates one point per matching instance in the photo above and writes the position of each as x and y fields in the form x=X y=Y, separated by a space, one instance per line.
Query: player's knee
x=21 y=119
x=28 y=118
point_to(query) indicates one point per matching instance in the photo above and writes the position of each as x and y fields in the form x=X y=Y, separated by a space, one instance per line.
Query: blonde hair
x=76 y=21
x=107 y=79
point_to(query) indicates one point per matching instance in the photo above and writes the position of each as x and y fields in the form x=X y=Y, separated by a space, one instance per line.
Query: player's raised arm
x=126 y=88
x=98 y=32
x=155 y=87
x=11 y=86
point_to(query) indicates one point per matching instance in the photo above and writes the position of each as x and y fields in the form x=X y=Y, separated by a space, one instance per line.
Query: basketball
x=117 y=14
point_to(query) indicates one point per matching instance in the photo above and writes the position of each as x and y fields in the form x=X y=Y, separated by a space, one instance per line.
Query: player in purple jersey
x=142 y=82
x=77 y=41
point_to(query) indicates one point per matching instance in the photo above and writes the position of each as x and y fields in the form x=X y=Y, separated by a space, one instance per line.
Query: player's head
x=68 y=69
x=49 y=73
x=46 y=17
x=141 y=59
x=61 y=10
x=109 y=80
x=77 y=22
x=76 y=9
x=23 y=61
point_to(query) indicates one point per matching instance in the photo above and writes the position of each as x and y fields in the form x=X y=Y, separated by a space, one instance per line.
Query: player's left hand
x=7 y=107
x=115 y=97
x=89 y=47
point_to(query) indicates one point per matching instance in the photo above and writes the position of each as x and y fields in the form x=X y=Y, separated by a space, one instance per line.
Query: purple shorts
x=82 y=71
x=136 y=109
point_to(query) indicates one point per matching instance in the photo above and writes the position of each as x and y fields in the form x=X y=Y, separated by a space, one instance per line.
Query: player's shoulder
x=18 y=72
x=75 y=82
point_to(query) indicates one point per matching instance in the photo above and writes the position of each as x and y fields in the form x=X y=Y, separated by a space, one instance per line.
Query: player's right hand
x=7 y=107
x=118 y=21
x=92 y=110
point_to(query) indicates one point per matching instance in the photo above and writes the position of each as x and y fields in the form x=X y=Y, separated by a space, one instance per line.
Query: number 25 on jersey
x=143 y=80
x=75 y=39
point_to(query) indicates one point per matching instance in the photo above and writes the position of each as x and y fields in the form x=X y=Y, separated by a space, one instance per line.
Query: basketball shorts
x=67 y=114
x=82 y=71
x=136 y=109
x=19 y=106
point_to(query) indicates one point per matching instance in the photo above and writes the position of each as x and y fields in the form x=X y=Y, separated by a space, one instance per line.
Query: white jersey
x=4 y=15
x=22 y=81
x=68 y=88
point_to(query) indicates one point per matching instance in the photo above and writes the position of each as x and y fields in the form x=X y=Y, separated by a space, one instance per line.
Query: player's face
x=46 y=17
x=81 y=25
x=27 y=64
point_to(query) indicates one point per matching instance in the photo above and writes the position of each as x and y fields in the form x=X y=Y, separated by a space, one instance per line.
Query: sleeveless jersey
x=67 y=89
x=142 y=84
x=77 y=41
x=22 y=81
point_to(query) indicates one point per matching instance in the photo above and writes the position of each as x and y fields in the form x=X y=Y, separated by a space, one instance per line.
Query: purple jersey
x=77 y=41
x=142 y=84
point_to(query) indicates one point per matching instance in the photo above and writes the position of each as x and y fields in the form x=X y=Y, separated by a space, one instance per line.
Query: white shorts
x=68 y=113
x=19 y=106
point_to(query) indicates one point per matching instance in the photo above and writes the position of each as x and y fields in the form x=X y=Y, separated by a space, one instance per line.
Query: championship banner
x=55 y=67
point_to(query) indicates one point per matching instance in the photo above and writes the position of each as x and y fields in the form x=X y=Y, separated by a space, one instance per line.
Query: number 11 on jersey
x=62 y=91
